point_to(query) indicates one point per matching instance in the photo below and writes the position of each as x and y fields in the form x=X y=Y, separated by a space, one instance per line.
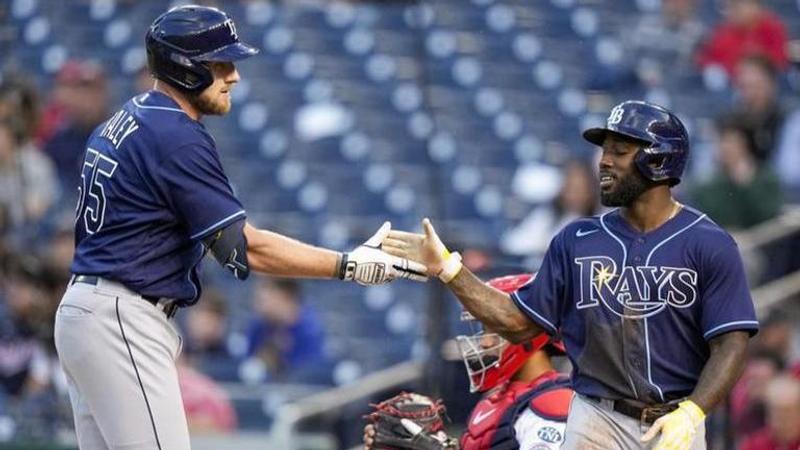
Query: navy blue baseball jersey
x=152 y=187
x=636 y=310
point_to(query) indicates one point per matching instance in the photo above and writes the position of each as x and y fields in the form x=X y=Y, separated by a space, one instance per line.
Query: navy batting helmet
x=666 y=142
x=184 y=39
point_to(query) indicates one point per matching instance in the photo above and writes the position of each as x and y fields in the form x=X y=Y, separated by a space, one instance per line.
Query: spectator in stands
x=20 y=99
x=749 y=28
x=82 y=92
x=28 y=187
x=577 y=197
x=743 y=193
x=27 y=357
x=207 y=405
x=776 y=336
x=658 y=49
x=205 y=338
x=285 y=334
x=747 y=408
x=787 y=155
x=34 y=409
x=758 y=106
x=665 y=42
x=782 y=396
x=60 y=246
x=23 y=359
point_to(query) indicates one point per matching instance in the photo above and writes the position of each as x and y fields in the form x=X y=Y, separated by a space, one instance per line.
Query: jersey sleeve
x=198 y=190
x=726 y=301
x=542 y=299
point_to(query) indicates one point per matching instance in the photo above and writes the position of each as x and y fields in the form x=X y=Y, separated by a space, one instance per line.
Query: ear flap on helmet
x=177 y=69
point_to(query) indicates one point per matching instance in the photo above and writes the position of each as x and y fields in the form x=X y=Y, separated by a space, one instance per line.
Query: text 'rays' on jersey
x=634 y=292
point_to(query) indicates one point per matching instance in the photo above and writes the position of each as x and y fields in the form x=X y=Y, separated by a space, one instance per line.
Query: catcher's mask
x=489 y=358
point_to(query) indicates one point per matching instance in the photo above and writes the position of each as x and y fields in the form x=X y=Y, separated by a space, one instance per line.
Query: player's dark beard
x=626 y=190
x=206 y=106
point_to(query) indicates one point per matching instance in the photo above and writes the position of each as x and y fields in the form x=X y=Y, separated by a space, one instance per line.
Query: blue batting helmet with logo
x=181 y=42
x=664 y=138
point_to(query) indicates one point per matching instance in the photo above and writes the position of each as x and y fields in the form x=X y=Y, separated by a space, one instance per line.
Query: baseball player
x=526 y=401
x=153 y=201
x=650 y=299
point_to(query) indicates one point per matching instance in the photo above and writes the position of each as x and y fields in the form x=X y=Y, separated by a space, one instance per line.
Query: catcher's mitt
x=409 y=421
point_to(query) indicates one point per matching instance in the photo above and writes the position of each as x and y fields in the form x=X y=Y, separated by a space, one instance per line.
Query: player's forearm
x=492 y=307
x=276 y=254
x=724 y=366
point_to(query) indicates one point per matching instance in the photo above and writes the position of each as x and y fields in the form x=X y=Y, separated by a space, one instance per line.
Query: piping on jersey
x=220 y=222
x=624 y=261
x=519 y=302
x=163 y=108
x=647 y=350
x=189 y=273
x=737 y=322
x=624 y=250
x=646 y=332
x=647 y=261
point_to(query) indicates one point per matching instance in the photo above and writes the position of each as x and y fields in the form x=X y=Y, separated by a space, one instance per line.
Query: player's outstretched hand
x=367 y=264
x=426 y=248
x=677 y=428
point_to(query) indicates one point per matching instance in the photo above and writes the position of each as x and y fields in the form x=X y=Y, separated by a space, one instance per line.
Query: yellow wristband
x=452 y=267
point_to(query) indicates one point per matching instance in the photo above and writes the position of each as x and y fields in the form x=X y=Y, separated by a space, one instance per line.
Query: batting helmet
x=666 y=142
x=492 y=360
x=184 y=39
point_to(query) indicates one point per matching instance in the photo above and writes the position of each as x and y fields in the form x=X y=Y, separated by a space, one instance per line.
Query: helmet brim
x=232 y=52
x=596 y=135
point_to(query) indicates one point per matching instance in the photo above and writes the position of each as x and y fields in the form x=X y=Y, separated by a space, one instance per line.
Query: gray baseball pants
x=118 y=352
x=594 y=425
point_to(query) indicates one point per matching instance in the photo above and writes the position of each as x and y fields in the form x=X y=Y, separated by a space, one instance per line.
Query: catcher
x=525 y=405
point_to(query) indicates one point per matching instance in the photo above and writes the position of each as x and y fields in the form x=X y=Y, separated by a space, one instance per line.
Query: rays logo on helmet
x=615 y=116
x=232 y=28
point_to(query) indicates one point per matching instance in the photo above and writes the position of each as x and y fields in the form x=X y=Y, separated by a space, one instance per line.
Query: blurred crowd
x=752 y=177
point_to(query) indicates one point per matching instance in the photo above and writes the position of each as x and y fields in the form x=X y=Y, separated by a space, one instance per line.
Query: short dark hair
x=738 y=124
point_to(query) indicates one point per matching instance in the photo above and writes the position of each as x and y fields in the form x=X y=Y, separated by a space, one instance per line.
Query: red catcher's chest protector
x=491 y=424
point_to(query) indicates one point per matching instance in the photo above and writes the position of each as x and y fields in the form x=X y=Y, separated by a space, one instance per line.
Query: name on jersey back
x=119 y=127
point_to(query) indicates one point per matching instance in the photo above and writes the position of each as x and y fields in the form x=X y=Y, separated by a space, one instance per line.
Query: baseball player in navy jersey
x=153 y=201
x=650 y=299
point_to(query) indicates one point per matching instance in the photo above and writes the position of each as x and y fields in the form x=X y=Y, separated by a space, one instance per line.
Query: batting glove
x=678 y=428
x=367 y=264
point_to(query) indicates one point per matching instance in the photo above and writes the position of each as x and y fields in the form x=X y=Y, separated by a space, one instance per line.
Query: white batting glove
x=677 y=428
x=367 y=264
